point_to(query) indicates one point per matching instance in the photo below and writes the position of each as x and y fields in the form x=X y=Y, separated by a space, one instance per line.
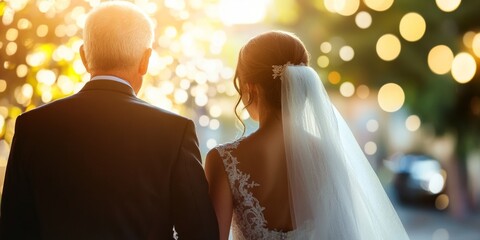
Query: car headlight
x=436 y=183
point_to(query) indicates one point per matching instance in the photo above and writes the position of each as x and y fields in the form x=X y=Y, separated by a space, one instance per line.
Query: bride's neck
x=269 y=118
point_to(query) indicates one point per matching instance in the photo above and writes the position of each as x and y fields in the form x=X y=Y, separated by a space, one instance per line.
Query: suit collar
x=108 y=85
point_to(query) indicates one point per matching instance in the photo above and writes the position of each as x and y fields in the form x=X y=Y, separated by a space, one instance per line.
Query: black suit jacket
x=103 y=164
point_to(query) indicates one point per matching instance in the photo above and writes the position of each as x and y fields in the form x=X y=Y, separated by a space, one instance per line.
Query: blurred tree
x=442 y=104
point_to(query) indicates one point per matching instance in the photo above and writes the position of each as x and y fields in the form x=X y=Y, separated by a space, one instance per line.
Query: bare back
x=262 y=157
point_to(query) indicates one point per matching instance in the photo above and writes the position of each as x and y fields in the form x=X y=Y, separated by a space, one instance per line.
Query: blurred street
x=424 y=223
x=429 y=224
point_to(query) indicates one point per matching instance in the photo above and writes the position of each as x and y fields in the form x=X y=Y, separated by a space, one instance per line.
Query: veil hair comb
x=278 y=70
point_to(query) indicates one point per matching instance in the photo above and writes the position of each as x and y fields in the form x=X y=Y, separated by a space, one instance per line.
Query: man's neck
x=133 y=79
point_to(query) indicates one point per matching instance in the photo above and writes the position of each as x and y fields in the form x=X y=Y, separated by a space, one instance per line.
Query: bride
x=301 y=175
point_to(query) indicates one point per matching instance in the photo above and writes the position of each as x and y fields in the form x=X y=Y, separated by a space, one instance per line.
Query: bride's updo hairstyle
x=255 y=63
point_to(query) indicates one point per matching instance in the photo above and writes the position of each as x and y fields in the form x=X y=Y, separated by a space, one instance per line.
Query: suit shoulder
x=49 y=106
x=162 y=112
x=39 y=111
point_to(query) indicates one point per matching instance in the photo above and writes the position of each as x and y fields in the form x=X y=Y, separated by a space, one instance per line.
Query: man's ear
x=143 y=67
x=84 y=59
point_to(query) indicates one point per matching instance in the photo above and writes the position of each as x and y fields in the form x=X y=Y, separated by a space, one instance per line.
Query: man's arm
x=193 y=214
x=17 y=216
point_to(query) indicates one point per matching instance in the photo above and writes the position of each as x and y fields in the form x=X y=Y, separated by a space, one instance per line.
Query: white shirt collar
x=112 y=78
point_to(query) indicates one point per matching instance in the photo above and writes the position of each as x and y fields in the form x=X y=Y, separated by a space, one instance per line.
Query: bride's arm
x=220 y=192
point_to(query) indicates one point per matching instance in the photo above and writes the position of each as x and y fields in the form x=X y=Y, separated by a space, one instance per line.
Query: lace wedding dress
x=335 y=194
x=248 y=220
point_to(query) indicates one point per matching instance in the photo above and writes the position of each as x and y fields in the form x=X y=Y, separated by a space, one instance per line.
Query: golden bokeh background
x=403 y=73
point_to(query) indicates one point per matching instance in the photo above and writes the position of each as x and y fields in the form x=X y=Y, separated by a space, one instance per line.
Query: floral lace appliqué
x=248 y=219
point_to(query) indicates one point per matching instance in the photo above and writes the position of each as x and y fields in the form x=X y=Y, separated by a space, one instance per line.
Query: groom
x=103 y=164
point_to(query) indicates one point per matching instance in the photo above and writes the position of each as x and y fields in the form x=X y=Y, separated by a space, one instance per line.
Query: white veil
x=334 y=191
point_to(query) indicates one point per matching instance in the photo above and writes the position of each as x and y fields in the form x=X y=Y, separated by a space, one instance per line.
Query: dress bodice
x=248 y=219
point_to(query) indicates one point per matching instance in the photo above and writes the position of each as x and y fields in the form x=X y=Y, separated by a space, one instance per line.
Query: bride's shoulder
x=219 y=152
x=216 y=157
x=229 y=145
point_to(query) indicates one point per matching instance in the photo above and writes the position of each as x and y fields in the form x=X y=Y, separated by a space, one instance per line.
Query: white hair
x=116 y=35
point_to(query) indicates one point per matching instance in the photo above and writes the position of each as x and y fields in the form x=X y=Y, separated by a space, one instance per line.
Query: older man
x=103 y=164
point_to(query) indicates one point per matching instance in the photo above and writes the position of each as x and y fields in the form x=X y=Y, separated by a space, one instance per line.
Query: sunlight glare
x=242 y=12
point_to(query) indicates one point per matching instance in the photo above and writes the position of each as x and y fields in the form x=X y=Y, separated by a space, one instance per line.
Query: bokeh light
x=442 y=201
x=204 y=120
x=42 y=30
x=214 y=124
x=346 y=7
x=347 y=89
x=468 y=38
x=412 y=26
x=391 y=97
x=332 y=5
x=388 y=47
x=323 y=61
x=440 y=59
x=448 y=5
x=372 y=125
x=326 y=47
x=379 y=5
x=464 y=67
x=22 y=70
x=211 y=143
x=334 y=77
x=11 y=34
x=3 y=85
x=363 y=19
x=363 y=91
x=346 y=53
x=370 y=148
x=11 y=48
x=215 y=111
x=476 y=45
x=412 y=123
x=2 y=123
x=46 y=76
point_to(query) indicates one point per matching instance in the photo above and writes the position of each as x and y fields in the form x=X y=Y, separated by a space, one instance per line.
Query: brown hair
x=256 y=59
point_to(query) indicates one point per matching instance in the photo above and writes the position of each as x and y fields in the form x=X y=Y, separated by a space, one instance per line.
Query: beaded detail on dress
x=248 y=219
